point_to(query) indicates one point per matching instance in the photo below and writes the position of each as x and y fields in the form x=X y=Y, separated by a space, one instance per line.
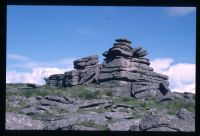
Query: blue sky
x=46 y=36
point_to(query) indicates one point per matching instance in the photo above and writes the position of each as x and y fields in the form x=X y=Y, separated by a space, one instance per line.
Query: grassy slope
x=82 y=92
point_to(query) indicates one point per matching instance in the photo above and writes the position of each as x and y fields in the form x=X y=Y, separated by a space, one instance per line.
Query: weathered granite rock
x=32 y=101
x=15 y=101
x=71 y=78
x=87 y=71
x=60 y=112
x=125 y=125
x=55 y=99
x=157 y=119
x=77 y=118
x=123 y=40
x=86 y=61
x=94 y=103
x=188 y=95
x=78 y=127
x=90 y=74
x=22 y=122
x=118 y=115
x=54 y=80
x=186 y=115
x=35 y=110
x=125 y=71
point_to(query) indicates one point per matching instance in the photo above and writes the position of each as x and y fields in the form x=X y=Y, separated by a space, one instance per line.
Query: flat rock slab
x=75 y=119
x=77 y=127
x=156 y=119
x=94 y=103
x=118 y=115
x=123 y=40
x=35 y=110
x=22 y=122
x=125 y=125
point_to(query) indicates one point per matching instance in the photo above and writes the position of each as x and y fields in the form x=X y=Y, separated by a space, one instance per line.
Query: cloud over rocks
x=36 y=76
x=161 y=64
x=181 y=75
x=38 y=70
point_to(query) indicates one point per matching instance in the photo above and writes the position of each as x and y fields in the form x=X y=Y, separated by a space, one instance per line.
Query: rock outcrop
x=86 y=71
x=52 y=112
x=161 y=121
x=125 y=71
x=22 y=122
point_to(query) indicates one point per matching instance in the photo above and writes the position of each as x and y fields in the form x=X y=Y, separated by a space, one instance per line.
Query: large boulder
x=160 y=120
x=186 y=115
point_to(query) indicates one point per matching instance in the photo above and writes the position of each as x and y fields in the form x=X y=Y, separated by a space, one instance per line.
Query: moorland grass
x=82 y=92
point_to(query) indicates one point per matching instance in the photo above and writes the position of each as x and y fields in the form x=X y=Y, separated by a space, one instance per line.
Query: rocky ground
x=30 y=107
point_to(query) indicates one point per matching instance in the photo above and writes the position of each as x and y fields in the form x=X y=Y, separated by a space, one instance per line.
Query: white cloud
x=39 y=70
x=181 y=75
x=161 y=64
x=36 y=76
x=180 y=11
x=29 y=63
x=18 y=57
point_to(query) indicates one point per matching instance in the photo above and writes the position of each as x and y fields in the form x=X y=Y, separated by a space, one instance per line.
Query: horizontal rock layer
x=125 y=71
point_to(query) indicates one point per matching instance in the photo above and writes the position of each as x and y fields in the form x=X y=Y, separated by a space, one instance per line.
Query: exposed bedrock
x=125 y=71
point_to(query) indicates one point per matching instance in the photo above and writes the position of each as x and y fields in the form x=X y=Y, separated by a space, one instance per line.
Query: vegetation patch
x=82 y=92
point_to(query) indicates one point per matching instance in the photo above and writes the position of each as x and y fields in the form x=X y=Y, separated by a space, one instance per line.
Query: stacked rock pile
x=86 y=62
x=126 y=72
x=86 y=71
x=54 y=80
